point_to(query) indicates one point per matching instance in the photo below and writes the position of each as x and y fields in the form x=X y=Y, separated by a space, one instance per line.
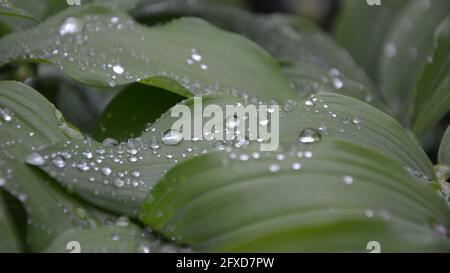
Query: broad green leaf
x=9 y=237
x=407 y=49
x=444 y=149
x=291 y=38
x=120 y=237
x=29 y=122
x=131 y=110
x=344 y=118
x=334 y=197
x=106 y=48
x=119 y=176
x=7 y=8
x=432 y=94
x=362 y=30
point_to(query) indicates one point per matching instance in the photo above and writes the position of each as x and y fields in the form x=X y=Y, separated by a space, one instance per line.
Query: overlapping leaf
x=329 y=197
x=10 y=240
x=291 y=39
x=407 y=49
x=97 y=45
x=432 y=95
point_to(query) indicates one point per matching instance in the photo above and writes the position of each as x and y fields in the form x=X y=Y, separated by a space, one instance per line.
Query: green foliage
x=83 y=130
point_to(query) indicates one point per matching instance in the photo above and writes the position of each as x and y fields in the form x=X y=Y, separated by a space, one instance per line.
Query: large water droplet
x=35 y=159
x=5 y=116
x=118 y=69
x=119 y=182
x=72 y=25
x=310 y=135
x=348 y=180
x=106 y=171
x=59 y=162
x=172 y=137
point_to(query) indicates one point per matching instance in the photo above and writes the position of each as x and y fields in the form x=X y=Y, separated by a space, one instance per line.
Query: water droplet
x=338 y=83
x=122 y=221
x=244 y=157
x=106 y=171
x=72 y=25
x=87 y=155
x=273 y=168
x=59 y=162
x=83 y=166
x=2 y=181
x=204 y=67
x=118 y=69
x=369 y=213
x=308 y=154
x=142 y=248
x=135 y=174
x=5 y=116
x=310 y=135
x=390 y=50
x=356 y=120
x=119 y=182
x=35 y=159
x=296 y=166
x=348 y=180
x=172 y=137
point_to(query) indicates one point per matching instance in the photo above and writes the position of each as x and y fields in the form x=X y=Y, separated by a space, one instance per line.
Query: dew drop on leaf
x=59 y=162
x=172 y=137
x=72 y=25
x=35 y=159
x=310 y=135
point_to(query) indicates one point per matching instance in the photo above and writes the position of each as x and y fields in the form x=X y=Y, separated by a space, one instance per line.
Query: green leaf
x=29 y=122
x=131 y=110
x=432 y=96
x=444 y=149
x=121 y=237
x=105 y=53
x=119 y=176
x=407 y=49
x=9 y=237
x=338 y=198
x=7 y=8
x=291 y=38
x=362 y=30
x=345 y=118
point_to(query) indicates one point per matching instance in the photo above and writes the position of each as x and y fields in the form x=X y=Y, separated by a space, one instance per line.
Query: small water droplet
x=135 y=174
x=59 y=162
x=296 y=166
x=172 y=137
x=35 y=159
x=369 y=213
x=119 y=183
x=390 y=50
x=122 y=221
x=348 y=180
x=310 y=135
x=273 y=168
x=106 y=171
